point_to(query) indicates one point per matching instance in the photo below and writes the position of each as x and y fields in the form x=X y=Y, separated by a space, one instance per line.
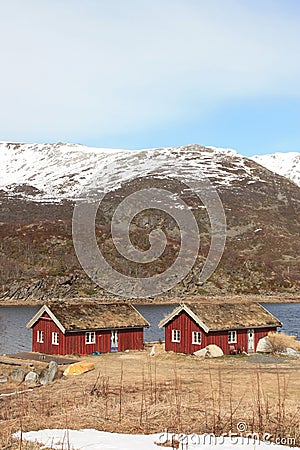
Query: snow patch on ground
x=90 y=439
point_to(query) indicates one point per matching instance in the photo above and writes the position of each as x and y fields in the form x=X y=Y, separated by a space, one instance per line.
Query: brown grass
x=7 y=443
x=281 y=341
x=133 y=393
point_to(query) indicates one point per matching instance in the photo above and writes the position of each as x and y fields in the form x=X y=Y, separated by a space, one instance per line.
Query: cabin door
x=250 y=341
x=114 y=345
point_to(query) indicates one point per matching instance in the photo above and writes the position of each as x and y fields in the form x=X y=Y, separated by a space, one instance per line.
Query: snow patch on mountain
x=285 y=164
x=61 y=171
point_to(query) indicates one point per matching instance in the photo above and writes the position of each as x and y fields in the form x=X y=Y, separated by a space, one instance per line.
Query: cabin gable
x=47 y=336
x=186 y=326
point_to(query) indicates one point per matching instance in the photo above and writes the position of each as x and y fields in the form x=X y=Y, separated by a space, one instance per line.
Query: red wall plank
x=46 y=325
x=187 y=325
x=74 y=343
x=131 y=339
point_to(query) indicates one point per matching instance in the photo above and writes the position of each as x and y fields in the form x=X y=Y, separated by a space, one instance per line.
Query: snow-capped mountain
x=61 y=171
x=285 y=164
x=39 y=184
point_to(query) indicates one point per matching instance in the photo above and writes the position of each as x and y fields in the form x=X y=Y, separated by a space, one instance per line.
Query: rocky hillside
x=40 y=184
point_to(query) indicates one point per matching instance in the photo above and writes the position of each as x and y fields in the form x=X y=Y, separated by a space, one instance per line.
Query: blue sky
x=151 y=73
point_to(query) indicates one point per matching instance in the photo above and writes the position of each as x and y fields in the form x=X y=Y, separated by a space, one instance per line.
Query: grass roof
x=92 y=316
x=226 y=316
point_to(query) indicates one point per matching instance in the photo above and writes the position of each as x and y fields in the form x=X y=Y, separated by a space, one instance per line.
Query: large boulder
x=202 y=352
x=17 y=375
x=264 y=345
x=214 y=351
x=49 y=373
x=31 y=379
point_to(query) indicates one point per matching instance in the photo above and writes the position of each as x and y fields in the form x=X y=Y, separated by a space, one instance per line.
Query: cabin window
x=232 y=337
x=40 y=337
x=196 y=337
x=90 y=337
x=175 y=335
x=55 y=338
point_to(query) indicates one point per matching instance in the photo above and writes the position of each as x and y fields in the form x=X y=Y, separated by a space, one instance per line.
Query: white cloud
x=124 y=65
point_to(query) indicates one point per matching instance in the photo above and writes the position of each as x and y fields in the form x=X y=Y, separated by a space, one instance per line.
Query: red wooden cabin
x=233 y=327
x=85 y=328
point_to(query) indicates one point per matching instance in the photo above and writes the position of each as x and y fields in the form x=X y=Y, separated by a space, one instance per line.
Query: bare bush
x=281 y=341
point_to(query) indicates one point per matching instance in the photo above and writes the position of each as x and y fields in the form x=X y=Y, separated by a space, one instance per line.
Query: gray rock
x=290 y=351
x=31 y=379
x=17 y=375
x=3 y=379
x=49 y=373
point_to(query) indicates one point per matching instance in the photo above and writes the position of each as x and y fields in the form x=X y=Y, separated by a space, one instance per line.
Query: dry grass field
x=135 y=393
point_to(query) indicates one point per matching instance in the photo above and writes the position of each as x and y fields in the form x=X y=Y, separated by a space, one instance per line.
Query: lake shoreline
x=274 y=298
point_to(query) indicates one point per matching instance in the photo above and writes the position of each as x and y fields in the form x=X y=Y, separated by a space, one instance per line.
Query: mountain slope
x=60 y=171
x=39 y=184
x=285 y=164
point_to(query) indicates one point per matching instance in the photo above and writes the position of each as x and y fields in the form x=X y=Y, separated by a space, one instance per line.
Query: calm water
x=154 y=314
x=289 y=316
x=14 y=336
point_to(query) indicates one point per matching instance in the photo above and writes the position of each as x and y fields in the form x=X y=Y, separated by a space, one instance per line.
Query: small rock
x=3 y=379
x=49 y=373
x=31 y=379
x=18 y=375
x=290 y=351
x=152 y=352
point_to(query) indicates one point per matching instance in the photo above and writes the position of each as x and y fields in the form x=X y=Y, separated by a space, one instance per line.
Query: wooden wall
x=74 y=343
x=46 y=324
x=186 y=325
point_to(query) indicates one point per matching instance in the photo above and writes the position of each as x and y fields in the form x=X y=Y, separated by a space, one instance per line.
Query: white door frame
x=114 y=341
x=251 y=346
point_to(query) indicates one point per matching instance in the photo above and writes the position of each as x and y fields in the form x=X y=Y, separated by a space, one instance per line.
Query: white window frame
x=40 y=336
x=232 y=337
x=196 y=337
x=55 y=338
x=176 y=335
x=90 y=337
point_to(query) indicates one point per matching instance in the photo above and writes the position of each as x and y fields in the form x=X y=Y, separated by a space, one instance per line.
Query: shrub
x=280 y=342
